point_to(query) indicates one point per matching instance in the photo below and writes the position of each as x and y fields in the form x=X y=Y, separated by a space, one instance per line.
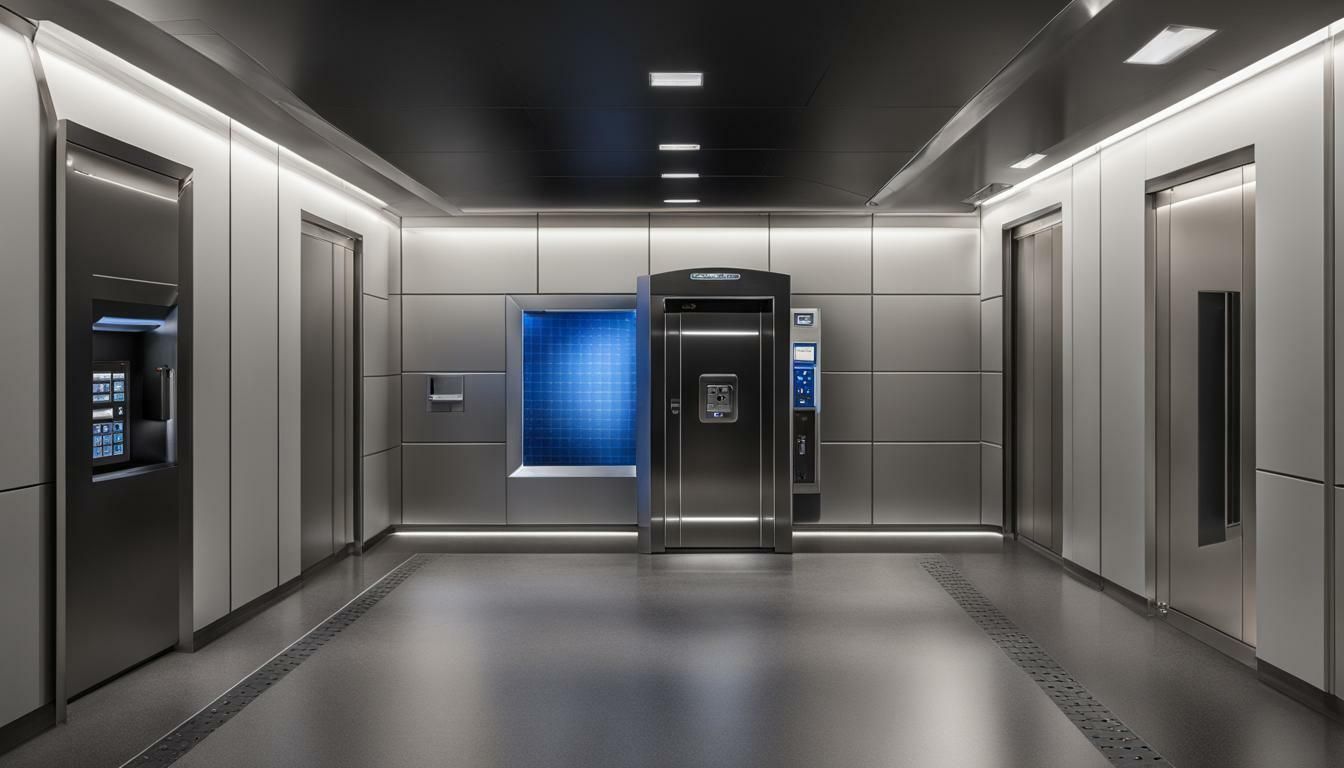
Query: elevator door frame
x=1026 y=227
x=316 y=226
x=1157 y=281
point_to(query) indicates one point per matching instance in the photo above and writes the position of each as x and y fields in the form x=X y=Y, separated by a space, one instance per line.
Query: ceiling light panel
x=679 y=175
x=676 y=79
x=1170 y=44
x=682 y=201
x=679 y=147
x=1028 y=161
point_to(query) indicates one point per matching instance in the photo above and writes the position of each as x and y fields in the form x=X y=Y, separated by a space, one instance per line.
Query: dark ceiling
x=537 y=104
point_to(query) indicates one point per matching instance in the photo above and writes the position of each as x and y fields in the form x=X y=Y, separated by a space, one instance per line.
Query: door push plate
x=718 y=398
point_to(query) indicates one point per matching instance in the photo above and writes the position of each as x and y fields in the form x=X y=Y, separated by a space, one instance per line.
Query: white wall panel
x=25 y=327
x=382 y=335
x=198 y=139
x=1290 y=575
x=1124 y=325
x=688 y=241
x=592 y=254
x=823 y=254
x=26 y=595
x=254 y=388
x=472 y=254
x=926 y=254
x=1082 y=515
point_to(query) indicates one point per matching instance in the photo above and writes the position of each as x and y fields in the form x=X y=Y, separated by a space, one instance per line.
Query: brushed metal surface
x=991 y=408
x=453 y=333
x=381 y=491
x=382 y=413
x=571 y=501
x=991 y=334
x=926 y=407
x=846 y=332
x=926 y=333
x=472 y=254
x=926 y=483
x=823 y=254
x=482 y=419
x=926 y=259
x=381 y=332
x=26 y=594
x=847 y=406
x=453 y=484
x=320 y=439
x=847 y=493
x=992 y=511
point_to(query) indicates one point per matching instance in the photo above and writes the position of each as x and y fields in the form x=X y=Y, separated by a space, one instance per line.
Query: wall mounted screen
x=578 y=388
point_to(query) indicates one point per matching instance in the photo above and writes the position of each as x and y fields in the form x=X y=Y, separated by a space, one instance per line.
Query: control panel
x=111 y=398
x=805 y=357
x=718 y=398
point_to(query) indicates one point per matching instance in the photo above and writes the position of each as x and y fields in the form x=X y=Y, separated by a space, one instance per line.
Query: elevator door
x=1038 y=252
x=1204 y=240
x=718 y=451
x=327 y=397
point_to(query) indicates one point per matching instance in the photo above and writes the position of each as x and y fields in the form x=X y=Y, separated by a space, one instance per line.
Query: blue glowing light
x=126 y=324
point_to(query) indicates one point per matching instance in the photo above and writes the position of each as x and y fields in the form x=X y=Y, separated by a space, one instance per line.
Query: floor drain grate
x=1111 y=737
x=183 y=738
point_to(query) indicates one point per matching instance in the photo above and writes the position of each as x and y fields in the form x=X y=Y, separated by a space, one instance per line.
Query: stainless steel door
x=720 y=489
x=1038 y=381
x=1204 y=242
x=327 y=398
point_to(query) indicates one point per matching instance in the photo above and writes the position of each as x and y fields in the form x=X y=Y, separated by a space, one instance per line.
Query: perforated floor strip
x=1111 y=737
x=186 y=736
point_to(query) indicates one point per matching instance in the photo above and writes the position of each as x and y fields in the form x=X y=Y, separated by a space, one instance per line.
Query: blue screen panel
x=579 y=388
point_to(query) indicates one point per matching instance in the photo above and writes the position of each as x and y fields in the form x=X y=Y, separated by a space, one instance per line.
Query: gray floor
x=705 y=660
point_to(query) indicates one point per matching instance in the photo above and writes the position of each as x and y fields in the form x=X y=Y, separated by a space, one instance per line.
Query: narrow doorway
x=329 y=395
x=1037 y=381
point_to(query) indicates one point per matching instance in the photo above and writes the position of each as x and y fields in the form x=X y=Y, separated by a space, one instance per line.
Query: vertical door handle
x=1232 y=408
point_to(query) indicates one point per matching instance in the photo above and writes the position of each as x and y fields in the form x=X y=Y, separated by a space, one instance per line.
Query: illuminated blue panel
x=579 y=388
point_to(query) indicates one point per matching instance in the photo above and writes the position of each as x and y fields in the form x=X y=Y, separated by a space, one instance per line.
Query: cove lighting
x=682 y=201
x=126 y=324
x=676 y=79
x=517 y=534
x=1028 y=161
x=1170 y=44
x=679 y=147
x=681 y=175
x=902 y=534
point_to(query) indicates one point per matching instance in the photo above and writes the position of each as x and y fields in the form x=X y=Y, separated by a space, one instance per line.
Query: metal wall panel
x=254 y=384
x=926 y=484
x=25 y=306
x=592 y=254
x=926 y=259
x=1290 y=575
x=472 y=254
x=1339 y=587
x=452 y=333
x=1082 y=372
x=382 y=491
x=382 y=413
x=26 y=597
x=847 y=405
x=991 y=335
x=382 y=343
x=926 y=333
x=481 y=421
x=991 y=408
x=453 y=484
x=847 y=483
x=572 y=501
x=688 y=241
x=926 y=407
x=846 y=330
x=992 y=511
x=823 y=254
x=373 y=257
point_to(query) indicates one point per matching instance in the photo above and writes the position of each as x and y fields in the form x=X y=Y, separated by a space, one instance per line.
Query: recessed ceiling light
x=679 y=147
x=1170 y=44
x=682 y=201
x=1028 y=161
x=676 y=79
x=681 y=175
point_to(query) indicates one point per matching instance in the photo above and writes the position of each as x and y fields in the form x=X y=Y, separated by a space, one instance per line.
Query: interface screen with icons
x=805 y=375
x=111 y=394
x=804 y=318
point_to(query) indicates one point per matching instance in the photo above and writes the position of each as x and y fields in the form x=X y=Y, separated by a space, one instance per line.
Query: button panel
x=111 y=438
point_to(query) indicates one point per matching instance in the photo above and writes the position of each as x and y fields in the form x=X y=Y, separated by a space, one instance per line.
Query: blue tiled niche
x=578 y=388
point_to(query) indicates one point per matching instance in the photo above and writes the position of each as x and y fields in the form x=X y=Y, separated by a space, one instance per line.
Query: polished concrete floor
x=694 y=660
